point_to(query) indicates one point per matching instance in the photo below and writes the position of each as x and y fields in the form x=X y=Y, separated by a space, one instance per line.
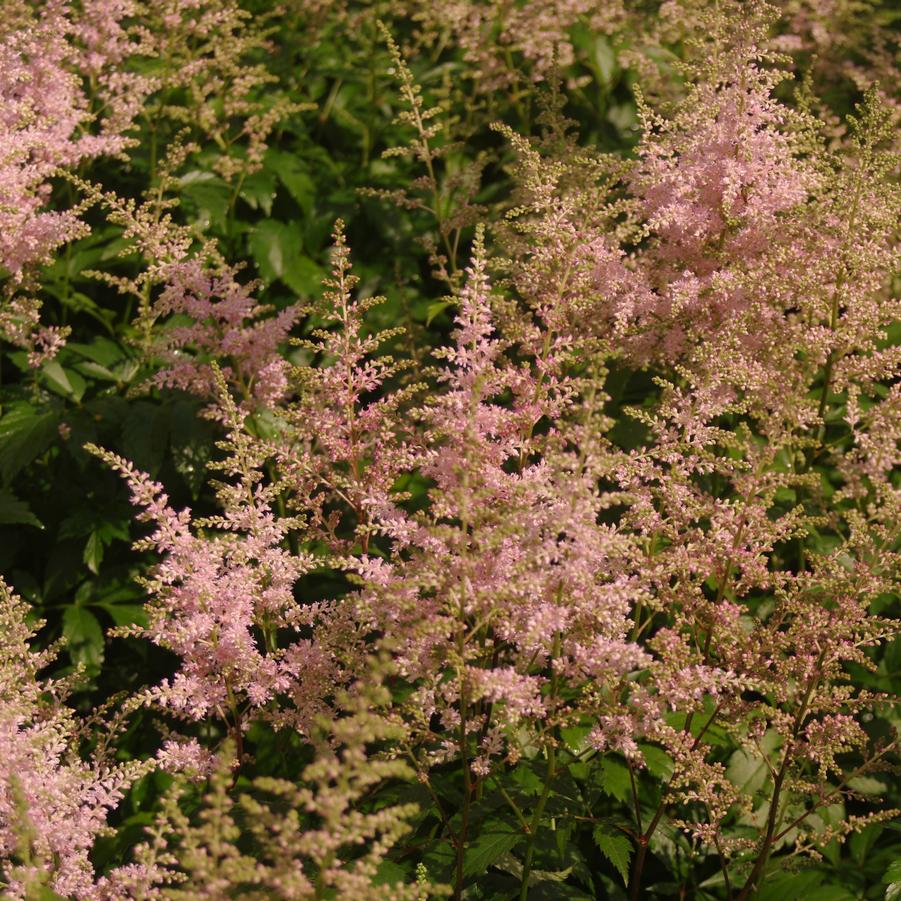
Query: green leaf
x=274 y=247
x=861 y=843
x=791 y=885
x=145 y=435
x=258 y=191
x=893 y=873
x=93 y=552
x=830 y=893
x=496 y=839
x=867 y=785
x=512 y=865
x=390 y=873
x=192 y=441
x=292 y=174
x=14 y=512
x=616 y=848
x=125 y=614
x=574 y=737
x=45 y=893
x=659 y=763
x=25 y=433
x=211 y=203
x=64 y=381
x=84 y=636
x=436 y=309
x=748 y=771
x=304 y=277
x=208 y=194
x=101 y=351
x=615 y=779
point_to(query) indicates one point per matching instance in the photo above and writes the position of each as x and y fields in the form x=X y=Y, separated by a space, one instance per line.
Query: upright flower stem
x=550 y=773
x=464 y=761
x=766 y=844
x=644 y=838
x=833 y=320
x=463 y=736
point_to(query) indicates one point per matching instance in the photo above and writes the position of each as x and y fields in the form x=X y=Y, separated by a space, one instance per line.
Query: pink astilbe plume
x=508 y=582
x=346 y=435
x=53 y=803
x=226 y=327
x=721 y=181
x=223 y=589
x=607 y=573
x=509 y=43
x=44 y=125
x=207 y=76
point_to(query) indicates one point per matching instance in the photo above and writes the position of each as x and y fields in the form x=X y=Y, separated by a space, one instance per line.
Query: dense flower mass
x=507 y=393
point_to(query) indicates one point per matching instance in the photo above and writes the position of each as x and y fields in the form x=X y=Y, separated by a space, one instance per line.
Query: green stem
x=549 y=775
x=467 y=782
x=766 y=845
x=833 y=318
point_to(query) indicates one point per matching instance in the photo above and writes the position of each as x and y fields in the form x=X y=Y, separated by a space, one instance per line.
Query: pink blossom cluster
x=53 y=804
x=44 y=125
x=225 y=323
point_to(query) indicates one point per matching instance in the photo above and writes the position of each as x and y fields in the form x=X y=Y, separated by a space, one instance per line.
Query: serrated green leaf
x=209 y=195
x=304 y=277
x=861 y=843
x=574 y=737
x=192 y=440
x=101 y=351
x=93 y=552
x=258 y=191
x=145 y=435
x=659 y=763
x=615 y=779
x=495 y=839
x=616 y=848
x=791 y=885
x=64 y=381
x=83 y=635
x=14 y=512
x=25 y=433
x=125 y=614
x=210 y=201
x=748 y=771
x=435 y=309
x=893 y=873
x=867 y=785
x=274 y=247
x=291 y=172
x=45 y=893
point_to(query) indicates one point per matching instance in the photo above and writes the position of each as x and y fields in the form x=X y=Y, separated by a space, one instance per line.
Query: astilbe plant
x=766 y=638
x=210 y=52
x=556 y=585
x=508 y=585
x=77 y=81
x=223 y=590
x=345 y=438
x=512 y=44
x=287 y=839
x=226 y=327
x=54 y=803
x=45 y=125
